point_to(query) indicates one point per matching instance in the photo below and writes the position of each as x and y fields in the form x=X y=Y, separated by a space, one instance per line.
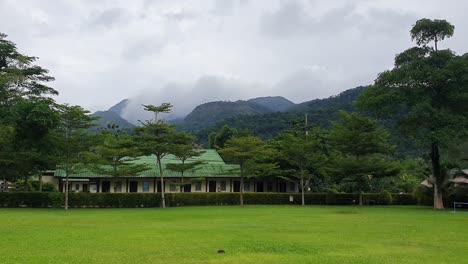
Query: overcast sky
x=189 y=52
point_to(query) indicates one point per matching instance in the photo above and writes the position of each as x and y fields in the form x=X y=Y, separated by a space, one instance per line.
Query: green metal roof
x=214 y=167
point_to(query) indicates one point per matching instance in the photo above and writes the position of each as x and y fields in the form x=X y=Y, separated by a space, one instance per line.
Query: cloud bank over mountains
x=185 y=53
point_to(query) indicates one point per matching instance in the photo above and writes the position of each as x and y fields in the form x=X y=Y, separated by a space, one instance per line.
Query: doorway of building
x=259 y=186
x=236 y=186
x=188 y=188
x=282 y=187
x=133 y=186
x=212 y=186
x=105 y=187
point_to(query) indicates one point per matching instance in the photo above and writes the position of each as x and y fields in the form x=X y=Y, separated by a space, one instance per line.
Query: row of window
x=172 y=187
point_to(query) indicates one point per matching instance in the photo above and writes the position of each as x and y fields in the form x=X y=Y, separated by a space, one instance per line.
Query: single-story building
x=462 y=179
x=214 y=175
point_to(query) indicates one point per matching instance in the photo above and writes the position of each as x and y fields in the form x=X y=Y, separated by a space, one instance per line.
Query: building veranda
x=214 y=175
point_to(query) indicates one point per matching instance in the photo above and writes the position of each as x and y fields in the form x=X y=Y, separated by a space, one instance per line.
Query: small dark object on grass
x=221 y=251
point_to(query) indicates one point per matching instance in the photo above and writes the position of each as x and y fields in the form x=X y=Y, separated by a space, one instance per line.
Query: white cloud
x=103 y=51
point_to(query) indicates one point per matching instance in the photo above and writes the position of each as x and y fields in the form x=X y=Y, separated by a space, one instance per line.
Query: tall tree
x=428 y=88
x=218 y=139
x=160 y=109
x=303 y=157
x=34 y=150
x=362 y=146
x=156 y=138
x=19 y=77
x=73 y=140
x=115 y=156
x=241 y=151
x=184 y=151
x=24 y=101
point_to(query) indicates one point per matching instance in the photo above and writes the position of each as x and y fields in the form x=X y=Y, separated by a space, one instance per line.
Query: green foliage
x=31 y=199
x=358 y=136
x=163 y=108
x=427 y=30
x=423 y=195
x=35 y=186
x=385 y=198
x=217 y=140
x=114 y=156
x=115 y=200
x=430 y=85
x=331 y=196
x=302 y=157
x=361 y=145
x=72 y=138
x=268 y=125
x=19 y=77
x=183 y=151
x=28 y=114
x=247 y=152
x=133 y=200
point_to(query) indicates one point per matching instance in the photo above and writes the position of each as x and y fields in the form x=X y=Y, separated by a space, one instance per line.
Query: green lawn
x=254 y=234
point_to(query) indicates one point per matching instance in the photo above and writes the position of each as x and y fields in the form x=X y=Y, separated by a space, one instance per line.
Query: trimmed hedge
x=132 y=200
x=31 y=199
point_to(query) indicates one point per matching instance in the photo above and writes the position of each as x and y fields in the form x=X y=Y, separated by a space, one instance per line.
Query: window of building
x=269 y=187
x=223 y=186
x=146 y=186
x=172 y=187
x=198 y=186
x=292 y=187
x=118 y=186
x=77 y=187
x=247 y=186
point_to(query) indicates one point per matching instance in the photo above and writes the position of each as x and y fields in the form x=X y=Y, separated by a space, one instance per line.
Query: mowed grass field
x=253 y=234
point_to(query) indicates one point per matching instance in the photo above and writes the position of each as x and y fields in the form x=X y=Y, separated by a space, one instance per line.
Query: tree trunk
x=66 y=192
x=40 y=181
x=163 y=199
x=242 y=189
x=360 y=198
x=182 y=189
x=302 y=190
x=26 y=186
x=182 y=184
x=438 y=195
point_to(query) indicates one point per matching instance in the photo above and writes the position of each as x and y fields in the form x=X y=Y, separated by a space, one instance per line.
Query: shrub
x=331 y=196
x=48 y=187
x=132 y=200
x=404 y=199
x=385 y=198
x=423 y=195
x=370 y=198
x=31 y=199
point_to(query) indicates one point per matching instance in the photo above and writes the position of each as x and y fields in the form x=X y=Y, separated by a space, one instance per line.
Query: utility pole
x=306 y=126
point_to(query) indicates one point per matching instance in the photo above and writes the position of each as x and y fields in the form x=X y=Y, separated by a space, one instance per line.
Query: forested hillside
x=320 y=113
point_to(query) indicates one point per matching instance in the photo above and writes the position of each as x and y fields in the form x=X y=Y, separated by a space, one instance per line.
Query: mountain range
x=264 y=116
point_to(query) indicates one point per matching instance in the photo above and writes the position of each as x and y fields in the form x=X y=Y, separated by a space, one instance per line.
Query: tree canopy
x=428 y=90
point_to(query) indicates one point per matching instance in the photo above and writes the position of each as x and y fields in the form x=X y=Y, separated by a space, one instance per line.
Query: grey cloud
x=108 y=18
x=288 y=20
x=300 y=86
x=306 y=84
x=226 y=7
x=186 y=96
x=144 y=47
x=187 y=53
x=180 y=15
x=292 y=19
